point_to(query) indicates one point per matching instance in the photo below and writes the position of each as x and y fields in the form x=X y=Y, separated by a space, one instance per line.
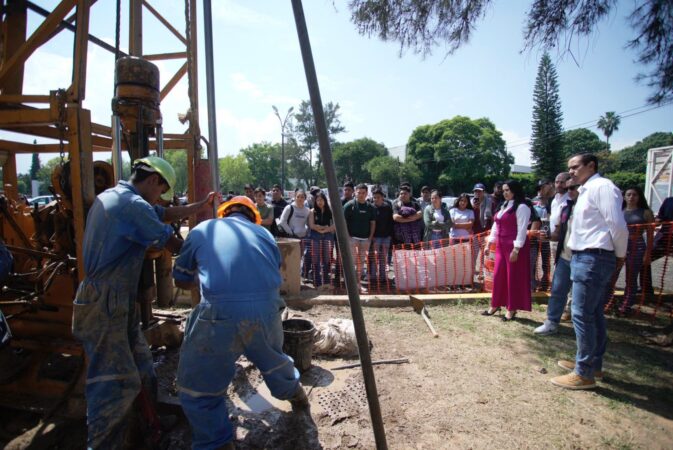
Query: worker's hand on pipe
x=208 y=203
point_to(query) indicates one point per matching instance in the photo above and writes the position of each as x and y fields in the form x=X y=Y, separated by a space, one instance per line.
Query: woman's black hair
x=324 y=197
x=642 y=201
x=460 y=197
x=517 y=191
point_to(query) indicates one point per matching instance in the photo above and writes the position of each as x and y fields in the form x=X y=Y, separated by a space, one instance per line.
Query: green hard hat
x=163 y=168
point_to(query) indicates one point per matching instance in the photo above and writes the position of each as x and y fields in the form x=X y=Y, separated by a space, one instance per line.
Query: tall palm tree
x=608 y=124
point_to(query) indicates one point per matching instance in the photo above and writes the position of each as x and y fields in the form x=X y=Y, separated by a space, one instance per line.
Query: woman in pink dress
x=511 y=277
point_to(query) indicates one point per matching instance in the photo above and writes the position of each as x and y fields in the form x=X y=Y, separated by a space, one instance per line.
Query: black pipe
x=343 y=239
x=93 y=39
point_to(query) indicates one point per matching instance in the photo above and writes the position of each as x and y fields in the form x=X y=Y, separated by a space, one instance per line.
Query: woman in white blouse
x=462 y=216
x=511 y=277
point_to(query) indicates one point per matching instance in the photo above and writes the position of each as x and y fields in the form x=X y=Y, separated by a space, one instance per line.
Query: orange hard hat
x=242 y=200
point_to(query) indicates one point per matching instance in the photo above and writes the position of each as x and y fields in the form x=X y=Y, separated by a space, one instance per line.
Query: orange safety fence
x=459 y=265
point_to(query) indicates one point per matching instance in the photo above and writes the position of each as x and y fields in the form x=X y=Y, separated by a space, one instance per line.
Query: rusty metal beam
x=18 y=99
x=77 y=90
x=81 y=169
x=39 y=37
x=164 y=56
x=14 y=36
x=135 y=27
x=23 y=147
x=174 y=80
x=22 y=117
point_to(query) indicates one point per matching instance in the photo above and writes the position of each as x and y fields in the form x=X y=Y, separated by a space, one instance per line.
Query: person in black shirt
x=279 y=204
x=382 y=235
x=321 y=232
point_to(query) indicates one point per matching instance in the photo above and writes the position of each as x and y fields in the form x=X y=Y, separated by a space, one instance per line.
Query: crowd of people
x=236 y=263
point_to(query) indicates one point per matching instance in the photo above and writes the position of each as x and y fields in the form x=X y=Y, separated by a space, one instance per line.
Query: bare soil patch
x=483 y=383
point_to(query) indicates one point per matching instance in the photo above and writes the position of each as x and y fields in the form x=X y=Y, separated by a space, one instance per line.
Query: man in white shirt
x=559 y=200
x=598 y=237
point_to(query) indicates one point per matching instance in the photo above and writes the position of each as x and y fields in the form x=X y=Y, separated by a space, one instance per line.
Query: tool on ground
x=419 y=307
x=382 y=361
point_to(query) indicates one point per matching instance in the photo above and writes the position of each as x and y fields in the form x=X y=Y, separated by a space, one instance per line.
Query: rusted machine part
x=136 y=102
x=164 y=267
x=61 y=180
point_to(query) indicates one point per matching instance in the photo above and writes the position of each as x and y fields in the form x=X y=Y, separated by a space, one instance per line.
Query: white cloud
x=235 y=133
x=518 y=146
x=241 y=83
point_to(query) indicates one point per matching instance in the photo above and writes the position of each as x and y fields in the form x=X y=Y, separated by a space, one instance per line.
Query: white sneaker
x=548 y=327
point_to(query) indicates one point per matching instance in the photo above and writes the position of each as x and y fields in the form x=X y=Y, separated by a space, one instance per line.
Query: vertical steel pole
x=282 y=160
x=160 y=138
x=210 y=95
x=116 y=147
x=343 y=240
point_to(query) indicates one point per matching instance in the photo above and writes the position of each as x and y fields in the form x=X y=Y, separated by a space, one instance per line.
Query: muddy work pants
x=216 y=334
x=106 y=322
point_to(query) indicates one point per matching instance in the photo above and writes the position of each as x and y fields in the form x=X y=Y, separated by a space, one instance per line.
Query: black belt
x=594 y=250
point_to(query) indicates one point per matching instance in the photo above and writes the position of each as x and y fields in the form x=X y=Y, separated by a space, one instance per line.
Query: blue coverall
x=120 y=227
x=238 y=266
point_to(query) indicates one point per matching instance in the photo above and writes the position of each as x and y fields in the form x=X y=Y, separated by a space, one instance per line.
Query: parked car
x=41 y=200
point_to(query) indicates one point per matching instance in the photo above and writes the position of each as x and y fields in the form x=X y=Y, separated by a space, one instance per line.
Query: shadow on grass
x=637 y=374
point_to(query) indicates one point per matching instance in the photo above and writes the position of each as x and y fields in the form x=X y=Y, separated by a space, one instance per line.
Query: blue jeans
x=379 y=257
x=591 y=274
x=216 y=334
x=560 y=287
x=321 y=255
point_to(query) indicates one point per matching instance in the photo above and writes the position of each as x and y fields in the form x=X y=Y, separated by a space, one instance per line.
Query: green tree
x=44 y=175
x=608 y=124
x=385 y=170
x=234 y=173
x=34 y=166
x=305 y=137
x=580 y=140
x=178 y=159
x=546 y=140
x=264 y=162
x=420 y=25
x=351 y=158
x=625 y=180
x=456 y=153
x=634 y=158
x=528 y=182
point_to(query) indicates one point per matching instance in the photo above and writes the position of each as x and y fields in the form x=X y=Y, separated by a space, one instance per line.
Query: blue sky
x=382 y=96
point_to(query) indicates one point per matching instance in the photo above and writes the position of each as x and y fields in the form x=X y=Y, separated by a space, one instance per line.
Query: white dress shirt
x=598 y=221
x=557 y=205
x=522 y=217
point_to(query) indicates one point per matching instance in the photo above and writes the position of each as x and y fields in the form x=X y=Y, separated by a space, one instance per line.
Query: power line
x=594 y=123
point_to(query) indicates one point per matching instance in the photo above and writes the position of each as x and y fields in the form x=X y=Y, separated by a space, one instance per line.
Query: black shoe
x=487 y=312
x=508 y=319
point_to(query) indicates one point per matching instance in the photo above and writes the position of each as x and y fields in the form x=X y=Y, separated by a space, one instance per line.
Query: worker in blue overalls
x=123 y=223
x=237 y=263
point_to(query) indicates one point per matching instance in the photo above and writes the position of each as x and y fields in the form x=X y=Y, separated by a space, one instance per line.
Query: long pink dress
x=511 y=281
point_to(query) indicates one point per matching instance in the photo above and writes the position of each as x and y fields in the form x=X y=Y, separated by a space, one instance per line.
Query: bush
x=625 y=180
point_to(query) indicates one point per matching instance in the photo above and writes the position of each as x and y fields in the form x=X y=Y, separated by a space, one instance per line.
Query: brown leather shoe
x=570 y=366
x=573 y=381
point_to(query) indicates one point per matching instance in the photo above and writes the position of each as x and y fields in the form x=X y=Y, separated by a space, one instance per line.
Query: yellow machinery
x=46 y=241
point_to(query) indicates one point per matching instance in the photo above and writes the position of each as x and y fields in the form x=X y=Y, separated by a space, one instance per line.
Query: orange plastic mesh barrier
x=639 y=287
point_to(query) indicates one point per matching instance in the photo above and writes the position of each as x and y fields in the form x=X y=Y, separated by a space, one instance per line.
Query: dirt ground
x=483 y=383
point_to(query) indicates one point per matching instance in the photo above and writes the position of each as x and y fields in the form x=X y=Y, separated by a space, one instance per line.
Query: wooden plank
x=174 y=80
x=98 y=128
x=81 y=170
x=53 y=133
x=39 y=37
x=165 y=56
x=77 y=91
x=165 y=22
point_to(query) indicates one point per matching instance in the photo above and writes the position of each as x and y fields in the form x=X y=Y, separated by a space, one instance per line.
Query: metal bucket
x=298 y=342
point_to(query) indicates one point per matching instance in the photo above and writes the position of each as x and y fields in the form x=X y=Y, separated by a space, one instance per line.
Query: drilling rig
x=45 y=363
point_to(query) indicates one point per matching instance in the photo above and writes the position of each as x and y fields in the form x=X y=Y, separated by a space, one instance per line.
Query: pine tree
x=35 y=166
x=546 y=140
